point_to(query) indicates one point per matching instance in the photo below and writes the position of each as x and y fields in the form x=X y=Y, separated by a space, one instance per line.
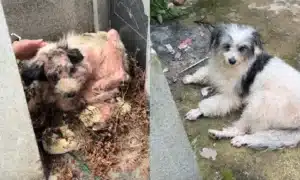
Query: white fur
x=66 y=85
x=272 y=105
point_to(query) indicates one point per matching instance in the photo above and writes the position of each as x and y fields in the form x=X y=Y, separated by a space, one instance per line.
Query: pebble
x=170 y=5
x=209 y=153
x=177 y=56
x=174 y=79
x=178 y=2
x=170 y=48
x=165 y=70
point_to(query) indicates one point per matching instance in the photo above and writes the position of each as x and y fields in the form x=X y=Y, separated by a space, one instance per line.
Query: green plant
x=160 y=11
x=227 y=175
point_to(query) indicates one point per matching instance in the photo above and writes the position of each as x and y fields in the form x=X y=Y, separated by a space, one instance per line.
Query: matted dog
x=79 y=69
x=244 y=75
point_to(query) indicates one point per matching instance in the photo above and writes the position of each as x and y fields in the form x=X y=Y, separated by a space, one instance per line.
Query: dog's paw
x=238 y=141
x=229 y=132
x=193 y=114
x=187 y=79
x=216 y=134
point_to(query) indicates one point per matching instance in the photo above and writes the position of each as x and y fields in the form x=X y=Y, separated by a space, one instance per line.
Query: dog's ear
x=75 y=56
x=215 y=37
x=257 y=40
x=32 y=73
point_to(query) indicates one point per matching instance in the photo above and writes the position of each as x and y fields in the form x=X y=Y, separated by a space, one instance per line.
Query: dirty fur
x=73 y=63
x=120 y=148
x=246 y=76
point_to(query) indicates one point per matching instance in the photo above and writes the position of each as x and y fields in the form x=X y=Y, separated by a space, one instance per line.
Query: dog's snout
x=232 y=60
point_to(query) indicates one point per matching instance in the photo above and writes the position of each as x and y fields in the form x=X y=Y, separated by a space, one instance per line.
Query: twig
x=193 y=65
x=18 y=38
x=207 y=25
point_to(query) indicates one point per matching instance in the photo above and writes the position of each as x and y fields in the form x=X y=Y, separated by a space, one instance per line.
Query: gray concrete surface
x=171 y=156
x=48 y=19
x=101 y=15
x=19 y=153
x=130 y=18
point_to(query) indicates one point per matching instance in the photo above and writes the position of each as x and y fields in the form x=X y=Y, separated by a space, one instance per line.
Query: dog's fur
x=77 y=70
x=246 y=76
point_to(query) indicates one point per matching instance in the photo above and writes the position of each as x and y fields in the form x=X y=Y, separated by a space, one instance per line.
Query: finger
x=36 y=43
x=26 y=49
x=42 y=44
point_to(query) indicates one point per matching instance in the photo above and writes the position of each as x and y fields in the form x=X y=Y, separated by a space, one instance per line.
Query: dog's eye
x=226 y=47
x=243 y=48
x=72 y=70
x=53 y=77
x=70 y=95
x=75 y=56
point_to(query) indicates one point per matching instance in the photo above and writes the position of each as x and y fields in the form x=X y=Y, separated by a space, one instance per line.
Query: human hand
x=26 y=49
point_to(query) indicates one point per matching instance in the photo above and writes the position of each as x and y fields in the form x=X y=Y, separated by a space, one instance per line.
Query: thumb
x=37 y=43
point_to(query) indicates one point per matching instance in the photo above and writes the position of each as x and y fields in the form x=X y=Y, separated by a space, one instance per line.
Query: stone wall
x=48 y=19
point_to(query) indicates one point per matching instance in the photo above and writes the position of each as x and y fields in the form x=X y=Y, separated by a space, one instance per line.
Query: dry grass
x=120 y=147
x=124 y=145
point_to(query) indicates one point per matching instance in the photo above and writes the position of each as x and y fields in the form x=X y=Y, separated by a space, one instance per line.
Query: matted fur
x=80 y=67
x=271 y=96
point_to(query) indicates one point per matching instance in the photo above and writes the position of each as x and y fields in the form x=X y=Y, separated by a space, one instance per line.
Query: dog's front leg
x=101 y=96
x=200 y=76
x=237 y=129
x=218 y=105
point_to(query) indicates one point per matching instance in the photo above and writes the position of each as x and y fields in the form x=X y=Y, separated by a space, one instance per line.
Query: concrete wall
x=171 y=155
x=146 y=7
x=130 y=18
x=19 y=153
x=49 y=18
x=101 y=14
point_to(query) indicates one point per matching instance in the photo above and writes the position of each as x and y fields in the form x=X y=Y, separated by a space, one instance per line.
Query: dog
x=79 y=69
x=246 y=77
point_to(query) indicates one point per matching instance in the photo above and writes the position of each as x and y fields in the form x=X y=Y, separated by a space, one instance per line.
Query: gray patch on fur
x=272 y=139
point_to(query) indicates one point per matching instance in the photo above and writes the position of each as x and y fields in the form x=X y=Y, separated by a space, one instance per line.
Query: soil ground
x=278 y=21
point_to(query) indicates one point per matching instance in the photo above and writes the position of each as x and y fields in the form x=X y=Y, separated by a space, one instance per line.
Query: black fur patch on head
x=75 y=56
x=215 y=37
x=257 y=40
x=257 y=66
x=252 y=50
x=33 y=73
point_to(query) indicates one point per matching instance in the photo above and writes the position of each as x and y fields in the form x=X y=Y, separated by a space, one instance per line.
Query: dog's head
x=62 y=67
x=235 y=43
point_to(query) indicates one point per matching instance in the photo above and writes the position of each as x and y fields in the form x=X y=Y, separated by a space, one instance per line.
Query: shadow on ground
x=278 y=22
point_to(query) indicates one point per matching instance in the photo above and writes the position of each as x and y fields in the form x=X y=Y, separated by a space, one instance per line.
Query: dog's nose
x=232 y=60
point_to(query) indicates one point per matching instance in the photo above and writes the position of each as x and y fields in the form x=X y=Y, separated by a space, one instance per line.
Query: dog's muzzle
x=67 y=87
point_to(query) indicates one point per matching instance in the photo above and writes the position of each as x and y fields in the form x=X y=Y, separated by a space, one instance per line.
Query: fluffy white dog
x=244 y=75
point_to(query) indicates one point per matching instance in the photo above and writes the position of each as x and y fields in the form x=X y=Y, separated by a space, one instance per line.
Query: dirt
x=118 y=151
x=278 y=23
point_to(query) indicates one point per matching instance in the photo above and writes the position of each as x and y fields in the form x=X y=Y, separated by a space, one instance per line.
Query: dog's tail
x=272 y=139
